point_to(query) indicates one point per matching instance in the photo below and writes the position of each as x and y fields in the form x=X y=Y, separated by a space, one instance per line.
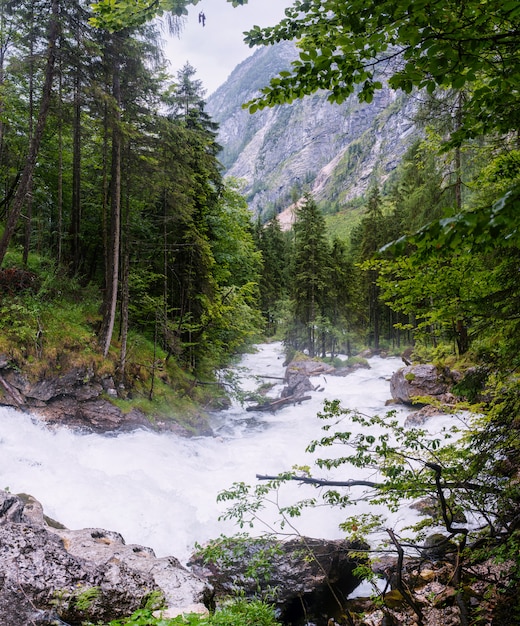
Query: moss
x=47 y=334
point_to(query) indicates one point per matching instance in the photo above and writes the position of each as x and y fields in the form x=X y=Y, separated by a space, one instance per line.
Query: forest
x=114 y=205
x=123 y=245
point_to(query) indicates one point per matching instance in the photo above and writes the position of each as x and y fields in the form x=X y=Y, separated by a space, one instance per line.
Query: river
x=160 y=490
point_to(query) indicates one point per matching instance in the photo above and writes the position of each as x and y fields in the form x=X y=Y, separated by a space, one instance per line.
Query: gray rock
x=73 y=383
x=297 y=376
x=301 y=576
x=180 y=587
x=420 y=417
x=438 y=546
x=88 y=574
x=421 y=380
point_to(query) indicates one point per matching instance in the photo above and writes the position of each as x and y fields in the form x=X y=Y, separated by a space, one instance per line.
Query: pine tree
x=366 y=240
x=26 y=177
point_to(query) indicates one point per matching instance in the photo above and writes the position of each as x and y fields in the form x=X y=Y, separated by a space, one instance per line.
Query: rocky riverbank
x=48 y=572
x=81 y=399
x=52 y=575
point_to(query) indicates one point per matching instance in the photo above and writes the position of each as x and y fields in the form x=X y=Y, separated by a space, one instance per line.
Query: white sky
x=217 y=48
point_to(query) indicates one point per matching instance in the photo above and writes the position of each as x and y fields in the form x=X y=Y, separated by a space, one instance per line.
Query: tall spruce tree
x=26 y=176
x=275 y=249
x=366 y=240
x=310 y=270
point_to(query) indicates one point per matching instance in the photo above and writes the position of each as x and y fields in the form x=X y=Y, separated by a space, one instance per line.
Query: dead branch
x=326 y=483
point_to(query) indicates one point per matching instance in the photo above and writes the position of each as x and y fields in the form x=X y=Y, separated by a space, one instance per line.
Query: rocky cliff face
x=331 y=150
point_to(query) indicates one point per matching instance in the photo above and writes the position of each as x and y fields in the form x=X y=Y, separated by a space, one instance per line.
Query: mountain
x=332 y=150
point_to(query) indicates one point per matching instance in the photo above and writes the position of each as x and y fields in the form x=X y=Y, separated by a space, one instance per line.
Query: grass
x=51 y=329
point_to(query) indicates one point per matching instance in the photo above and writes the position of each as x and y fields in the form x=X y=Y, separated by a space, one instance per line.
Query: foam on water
x=160 y=490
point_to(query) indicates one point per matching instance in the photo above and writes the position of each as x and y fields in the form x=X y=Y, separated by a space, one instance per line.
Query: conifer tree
x=366 y=240
x=27 y=173
x=273 y=280
x=310 y=270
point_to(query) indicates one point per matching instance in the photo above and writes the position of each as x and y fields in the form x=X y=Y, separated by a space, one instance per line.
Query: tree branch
x=322 y=482
x=326 y=483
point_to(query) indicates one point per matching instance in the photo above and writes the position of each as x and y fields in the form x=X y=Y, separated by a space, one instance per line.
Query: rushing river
x=160 y=490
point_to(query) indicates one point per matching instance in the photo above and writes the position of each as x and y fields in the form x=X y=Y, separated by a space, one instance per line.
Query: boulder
x=422 y=380
x=303 y=576
x=49 y=574
x=425 y=413
x=297 y=376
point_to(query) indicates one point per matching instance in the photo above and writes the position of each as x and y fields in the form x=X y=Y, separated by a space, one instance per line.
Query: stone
x=49 y=574
x=296 y=383
x=298 y=373
x=421 y=380
x=71 y=383
x=425 y=413
x=437 y=546
x=300 y=576
x=181 y=588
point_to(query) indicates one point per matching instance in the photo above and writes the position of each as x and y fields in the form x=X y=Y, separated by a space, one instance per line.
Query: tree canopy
x=117 y=14
x=425 y=44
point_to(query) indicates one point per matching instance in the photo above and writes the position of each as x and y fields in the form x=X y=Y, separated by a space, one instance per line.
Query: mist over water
x=160 y=490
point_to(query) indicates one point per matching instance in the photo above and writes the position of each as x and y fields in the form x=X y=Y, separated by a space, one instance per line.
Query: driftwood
x=273 y=405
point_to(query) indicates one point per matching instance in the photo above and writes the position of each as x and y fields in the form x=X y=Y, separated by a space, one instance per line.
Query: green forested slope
x=113 y=204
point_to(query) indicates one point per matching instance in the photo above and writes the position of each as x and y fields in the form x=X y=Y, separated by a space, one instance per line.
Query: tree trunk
x=125 y=279
x=125 y=299
x=30 y=163
x=112 y=273
x=75 y=218
x=28 y=202
x=59 y=218
x=374 y=307
x=458 y=159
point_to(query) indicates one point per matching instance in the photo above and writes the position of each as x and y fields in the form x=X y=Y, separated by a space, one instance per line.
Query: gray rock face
x=421 y=380
x=75 y=399
x=48 y=573
x=302 y=574
x=331 y=149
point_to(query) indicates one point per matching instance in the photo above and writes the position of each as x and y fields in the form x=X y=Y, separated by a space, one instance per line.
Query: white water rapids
x=159 y=490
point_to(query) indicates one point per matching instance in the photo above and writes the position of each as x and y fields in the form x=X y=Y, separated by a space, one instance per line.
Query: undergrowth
x=49 y=324
x=236 y=612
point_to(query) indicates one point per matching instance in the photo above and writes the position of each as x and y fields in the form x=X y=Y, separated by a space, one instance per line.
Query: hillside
x=332 y=150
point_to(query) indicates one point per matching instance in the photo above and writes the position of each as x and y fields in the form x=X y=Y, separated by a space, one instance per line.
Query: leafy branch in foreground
x=458 y=470
x=116 y=15
x=352 y=46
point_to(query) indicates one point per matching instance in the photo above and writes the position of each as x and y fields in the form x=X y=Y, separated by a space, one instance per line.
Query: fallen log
x=278 y=404
x=270 y=377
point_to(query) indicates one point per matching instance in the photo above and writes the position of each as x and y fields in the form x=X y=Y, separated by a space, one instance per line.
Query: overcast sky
x=215 y=49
